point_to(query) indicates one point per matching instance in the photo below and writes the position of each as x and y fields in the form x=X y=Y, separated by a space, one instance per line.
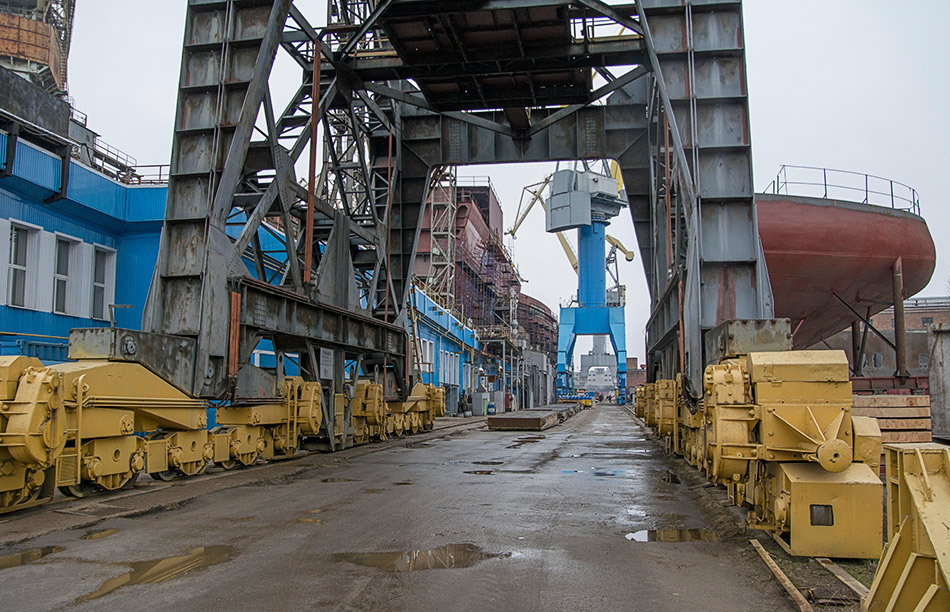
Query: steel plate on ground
x=536 y=419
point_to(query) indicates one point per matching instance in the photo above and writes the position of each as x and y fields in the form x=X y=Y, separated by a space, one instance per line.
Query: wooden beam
x=796 y=595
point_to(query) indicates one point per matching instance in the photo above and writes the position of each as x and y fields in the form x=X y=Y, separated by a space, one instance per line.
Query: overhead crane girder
x=683 y=153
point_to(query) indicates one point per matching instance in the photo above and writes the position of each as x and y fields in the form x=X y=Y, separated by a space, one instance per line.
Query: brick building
x=879 y=360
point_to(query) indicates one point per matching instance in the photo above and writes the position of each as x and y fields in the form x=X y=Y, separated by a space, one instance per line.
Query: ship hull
x=821 y=253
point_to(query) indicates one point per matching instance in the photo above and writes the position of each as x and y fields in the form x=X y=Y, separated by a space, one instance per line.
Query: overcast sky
x=848 y=84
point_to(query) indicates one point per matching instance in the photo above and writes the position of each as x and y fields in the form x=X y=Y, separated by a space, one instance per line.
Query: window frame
x=72 y=245
x=31 y=238
x=108 y=282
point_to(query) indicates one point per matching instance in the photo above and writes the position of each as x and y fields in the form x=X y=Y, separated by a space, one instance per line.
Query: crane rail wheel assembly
x=65 y=426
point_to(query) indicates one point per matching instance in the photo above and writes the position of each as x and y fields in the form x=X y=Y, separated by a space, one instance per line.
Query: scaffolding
x=443 y=199
x=35 y=38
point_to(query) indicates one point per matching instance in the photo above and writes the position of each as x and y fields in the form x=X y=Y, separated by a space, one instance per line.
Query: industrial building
x=465 y=267
x=879 y=360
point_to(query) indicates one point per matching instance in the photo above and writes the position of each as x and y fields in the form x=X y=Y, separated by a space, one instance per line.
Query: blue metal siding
x=135 y=262
x=42 y=169
x=26 y=321
x=92 y=190
x=14 y=205
x=91 y=196
x=145 y=204
x=47 y=351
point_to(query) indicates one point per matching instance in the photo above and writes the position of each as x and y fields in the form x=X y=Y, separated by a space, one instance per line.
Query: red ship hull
x=819 y=250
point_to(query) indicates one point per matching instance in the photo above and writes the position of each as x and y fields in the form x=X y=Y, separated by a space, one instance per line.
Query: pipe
x=504 y=367
x=856 y=355
x=899 y=335
x=312 y=186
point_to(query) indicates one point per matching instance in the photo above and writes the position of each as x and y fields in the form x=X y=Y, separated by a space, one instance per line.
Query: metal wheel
x=166 y=476
x=83 y=489
x=230 y=464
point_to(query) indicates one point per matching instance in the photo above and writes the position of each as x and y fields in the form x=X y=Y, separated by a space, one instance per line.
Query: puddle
x=315 y=511
x=606 y=473
x=339 y=480
x=570 y=471
x=27 y=556
x=480 y=472
x=526 y=440
x=162 y=570
x=444 y=557
x=98 y=535
x=671 y=478
x=636 y=512
x=673 y=535
x=488 y=462
x=374 y=490
x=402 y=484
x=308 y=519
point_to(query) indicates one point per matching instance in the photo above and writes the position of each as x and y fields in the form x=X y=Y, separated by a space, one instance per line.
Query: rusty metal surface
x=171 y=357
x=521 y=52
x=23 y=101
x=736 y=338
x=535 y=419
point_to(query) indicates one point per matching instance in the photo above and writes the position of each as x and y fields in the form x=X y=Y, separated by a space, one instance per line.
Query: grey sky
x=847 y=84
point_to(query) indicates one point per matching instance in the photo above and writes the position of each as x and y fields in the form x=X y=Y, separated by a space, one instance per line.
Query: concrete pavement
x=566 y=519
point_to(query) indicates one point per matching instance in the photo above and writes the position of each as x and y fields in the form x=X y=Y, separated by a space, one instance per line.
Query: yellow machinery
x=914 y=570
x=97 y=424
x=775 y=428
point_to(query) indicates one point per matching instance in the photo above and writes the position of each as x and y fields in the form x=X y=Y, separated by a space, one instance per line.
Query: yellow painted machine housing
x=665 y=406
x=825 y=514
x=776 y=429
x=649 y=412
x=638 y=400
x=805 y=399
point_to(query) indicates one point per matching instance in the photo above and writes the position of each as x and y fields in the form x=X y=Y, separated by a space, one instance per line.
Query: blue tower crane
x=586 y=200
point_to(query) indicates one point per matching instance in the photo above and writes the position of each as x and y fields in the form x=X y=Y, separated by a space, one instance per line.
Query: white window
x=427 y=349
x=101 y=277
x=21 y=276
x=61 y=275
x=19 y=265
x=54 y=272
x=99 y=286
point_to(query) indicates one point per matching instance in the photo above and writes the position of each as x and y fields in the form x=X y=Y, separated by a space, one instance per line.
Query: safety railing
x=847 y=185
x=155 y=174
x=113 y=156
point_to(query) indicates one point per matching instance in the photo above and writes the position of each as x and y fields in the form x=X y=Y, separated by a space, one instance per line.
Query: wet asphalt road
x=532 y=521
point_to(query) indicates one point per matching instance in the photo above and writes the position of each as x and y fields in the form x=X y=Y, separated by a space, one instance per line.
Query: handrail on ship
x=877 y=190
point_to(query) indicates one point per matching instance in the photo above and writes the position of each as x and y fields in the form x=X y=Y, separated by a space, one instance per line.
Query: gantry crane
x=394 y=101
